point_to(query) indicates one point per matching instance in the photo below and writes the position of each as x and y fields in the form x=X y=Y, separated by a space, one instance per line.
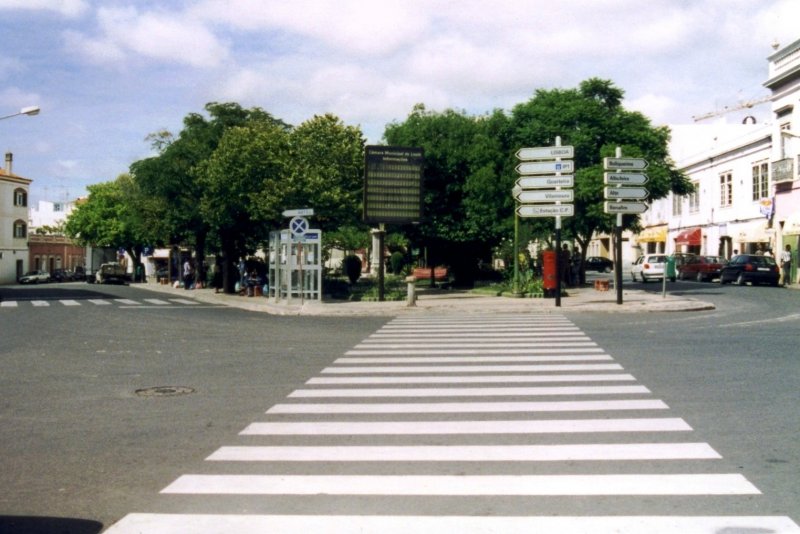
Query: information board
x=393 y=184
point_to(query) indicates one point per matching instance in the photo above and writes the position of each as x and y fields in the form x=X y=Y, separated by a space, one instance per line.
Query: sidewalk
x=452 y=301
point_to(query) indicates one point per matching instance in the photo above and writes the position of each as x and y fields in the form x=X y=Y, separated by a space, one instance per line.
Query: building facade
x=14 y=192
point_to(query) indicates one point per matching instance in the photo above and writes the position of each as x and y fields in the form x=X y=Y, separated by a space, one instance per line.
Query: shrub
x=352 y=268
x=396 y=261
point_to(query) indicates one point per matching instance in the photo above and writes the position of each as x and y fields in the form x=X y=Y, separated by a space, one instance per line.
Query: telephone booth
x=295 y=266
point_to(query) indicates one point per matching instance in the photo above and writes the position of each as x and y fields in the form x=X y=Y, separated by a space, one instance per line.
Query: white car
x=649 y=267
x=34 y=277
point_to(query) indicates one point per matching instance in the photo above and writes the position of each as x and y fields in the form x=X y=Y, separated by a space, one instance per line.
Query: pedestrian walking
x=188 y=274
x=786 y=265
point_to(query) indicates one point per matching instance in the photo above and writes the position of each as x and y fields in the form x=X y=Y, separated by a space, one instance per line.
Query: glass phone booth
x=295 y=266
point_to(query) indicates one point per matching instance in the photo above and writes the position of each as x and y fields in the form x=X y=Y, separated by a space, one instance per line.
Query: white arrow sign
x=624 y=207
x=545 y=167
x=304 y=212
x=544 y=196
x=626 y=192
x=545 y=152
x=534 y=182
x=631 y=164
x=547 y=210
x=627 y=178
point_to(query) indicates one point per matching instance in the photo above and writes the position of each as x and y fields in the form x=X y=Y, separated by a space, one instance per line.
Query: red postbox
x=549 y=271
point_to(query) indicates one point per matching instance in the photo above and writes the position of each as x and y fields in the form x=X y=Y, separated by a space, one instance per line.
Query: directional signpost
x=615 y=180
x=543 y=173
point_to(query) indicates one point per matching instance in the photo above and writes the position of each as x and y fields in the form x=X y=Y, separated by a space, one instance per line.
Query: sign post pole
x=559 y=259
x=618 y=247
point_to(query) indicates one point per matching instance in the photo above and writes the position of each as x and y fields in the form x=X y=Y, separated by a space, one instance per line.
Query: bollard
x=411 y=296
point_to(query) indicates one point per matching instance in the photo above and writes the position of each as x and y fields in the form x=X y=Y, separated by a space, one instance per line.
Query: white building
x=13 y=223
x=49 y=214
x=747 y=195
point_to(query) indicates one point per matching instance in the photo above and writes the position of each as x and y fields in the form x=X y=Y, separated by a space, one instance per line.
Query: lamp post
x=30 y=110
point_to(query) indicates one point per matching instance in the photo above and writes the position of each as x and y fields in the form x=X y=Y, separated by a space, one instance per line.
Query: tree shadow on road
x=47 y=525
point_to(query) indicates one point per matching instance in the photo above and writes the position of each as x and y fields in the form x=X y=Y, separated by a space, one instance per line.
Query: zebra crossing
x=143 y=303
x=430 y=423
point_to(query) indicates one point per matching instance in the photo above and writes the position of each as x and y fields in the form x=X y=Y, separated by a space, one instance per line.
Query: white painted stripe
x=477 y=343
x=477 y=359
x=445 y=329
x=8 y=304
x=185 y=301
x=435 y=428
x=40 y=303
x=371 y=524
x=100 y=302
x=473 y=368
x=69 y=302
x=378 y=352
x=480 y=321
x=471 y=407
x=470 y=453
x=469 y=392
x=331 y=380
x=492 y=334
x=157 y=302
x=127 y=301
x=523 y=485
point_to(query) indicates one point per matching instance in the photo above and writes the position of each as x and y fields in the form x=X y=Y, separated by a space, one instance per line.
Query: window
x=57 y=207
x=20 y=197
x=694 y=198
x=20 y=229
x=760 y=181
x=677 y=204
x=725 y=189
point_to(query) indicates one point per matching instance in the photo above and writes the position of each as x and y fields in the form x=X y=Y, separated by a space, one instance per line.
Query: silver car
x=34 y=277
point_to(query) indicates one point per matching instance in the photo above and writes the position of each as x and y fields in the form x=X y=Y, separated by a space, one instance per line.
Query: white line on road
x=528 y=485
x=465 y=351
x=40 y=303
x=69 y=302
x=476 y=359
x=544 y=426
x=470 y=453
x=329 y=380
x=8 y=304
x=128 y=302
x=473 y=368
x=578 y=342
x=371 y=524
x=470 y=392
x=158 y=302
x=471 y=407
x=100 y=302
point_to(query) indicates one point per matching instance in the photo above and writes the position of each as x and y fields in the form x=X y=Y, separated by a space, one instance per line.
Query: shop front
x=653 y=240
x=751 y=237
x=790 y=235
x=689 y=240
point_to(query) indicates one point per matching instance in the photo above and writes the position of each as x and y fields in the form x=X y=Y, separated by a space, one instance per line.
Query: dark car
x=750 y=268
x=62 y=275
x=701 y=268
x=599 y=264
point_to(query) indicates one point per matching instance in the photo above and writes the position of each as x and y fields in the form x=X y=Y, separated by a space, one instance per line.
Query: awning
x=792 y=224
x=691 y=236
x=751 y=232
x=652 y=235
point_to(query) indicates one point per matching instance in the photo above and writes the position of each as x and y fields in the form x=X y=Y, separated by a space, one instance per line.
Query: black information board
x=393 y=184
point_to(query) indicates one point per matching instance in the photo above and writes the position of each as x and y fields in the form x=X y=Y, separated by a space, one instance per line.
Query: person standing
x=786 y=265
x=188 y=274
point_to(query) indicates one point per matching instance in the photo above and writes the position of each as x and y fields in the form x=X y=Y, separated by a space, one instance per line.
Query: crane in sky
x=746 y=104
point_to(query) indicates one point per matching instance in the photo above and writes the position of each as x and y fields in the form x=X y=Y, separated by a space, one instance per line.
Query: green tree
x=592 y=119
x=466 y=199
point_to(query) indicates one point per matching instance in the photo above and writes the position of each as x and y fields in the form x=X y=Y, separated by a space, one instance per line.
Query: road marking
x=513 y=332
x=495 y=485
x=471 y=407
x=70 y=302
x=465 y=351
x=470 y=453
x=100 y=302
x=329 y=380
x=544 y=426
x=158 y=302
x=8 y=304
x=578 y=342
x=474 y=368
x=128 y=302
x=476 y=359
x=185 y=301
x=40 y=303
x=470 y=392
x=351 y=524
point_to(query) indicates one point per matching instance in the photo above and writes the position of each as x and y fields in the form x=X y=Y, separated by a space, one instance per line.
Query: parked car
x=701 y=268
x=599 y=264
x=750 y=268
x=649 y=267
x=34 y=277
x=62 y=275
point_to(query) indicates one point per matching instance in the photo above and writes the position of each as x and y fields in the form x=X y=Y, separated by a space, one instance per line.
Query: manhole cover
x=164 y=391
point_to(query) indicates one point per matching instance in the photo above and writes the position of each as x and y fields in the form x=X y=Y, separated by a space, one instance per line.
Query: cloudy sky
x=108 y=72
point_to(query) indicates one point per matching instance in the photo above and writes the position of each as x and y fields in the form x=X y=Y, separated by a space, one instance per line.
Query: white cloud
x=68 y=8
x=14 y=97
x=163 y=36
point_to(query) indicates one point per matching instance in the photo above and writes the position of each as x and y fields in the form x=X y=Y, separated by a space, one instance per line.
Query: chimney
x=9 y=162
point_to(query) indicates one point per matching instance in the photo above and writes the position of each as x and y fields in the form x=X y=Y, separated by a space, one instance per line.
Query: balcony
x=782 y=170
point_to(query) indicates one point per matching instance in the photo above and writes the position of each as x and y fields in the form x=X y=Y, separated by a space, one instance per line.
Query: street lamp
x=30 y=110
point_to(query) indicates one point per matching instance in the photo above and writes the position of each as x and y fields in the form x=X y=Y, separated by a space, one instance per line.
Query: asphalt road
x=81 y=448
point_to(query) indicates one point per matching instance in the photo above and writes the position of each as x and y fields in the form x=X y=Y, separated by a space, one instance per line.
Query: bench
x=440 y=274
